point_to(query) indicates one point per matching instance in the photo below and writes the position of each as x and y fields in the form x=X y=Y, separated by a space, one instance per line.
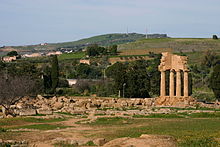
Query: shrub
x=215 y=81
x=214 y=37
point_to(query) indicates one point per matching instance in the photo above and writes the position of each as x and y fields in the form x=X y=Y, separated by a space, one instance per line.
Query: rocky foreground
x=109 y=106
x=78 y=114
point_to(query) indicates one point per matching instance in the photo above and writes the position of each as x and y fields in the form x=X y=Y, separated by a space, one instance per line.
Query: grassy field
x=188 y=132
x=76 y=55
x=197 y=129
x=194 y=48
x=177 y=44
x=26 y=120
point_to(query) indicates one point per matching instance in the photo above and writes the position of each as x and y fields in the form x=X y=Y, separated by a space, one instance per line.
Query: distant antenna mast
x=127 y=30
x=146 y=32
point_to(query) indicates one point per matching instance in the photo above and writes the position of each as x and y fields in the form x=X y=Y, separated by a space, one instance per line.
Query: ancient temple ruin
x=175 y=64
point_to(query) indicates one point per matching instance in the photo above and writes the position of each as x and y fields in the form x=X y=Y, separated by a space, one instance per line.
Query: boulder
x=99 y=141
x=26 y=112
x=53 y=100
x=40 y=97
x=73 y=142
x=57 y=105
x=9 y=116
x=19 y=105
x=44 y=111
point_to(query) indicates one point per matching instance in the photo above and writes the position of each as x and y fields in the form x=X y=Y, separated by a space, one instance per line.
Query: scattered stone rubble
x=13 y=143
x=102 y=106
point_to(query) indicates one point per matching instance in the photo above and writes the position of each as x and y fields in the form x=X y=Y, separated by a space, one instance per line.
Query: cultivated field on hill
x=177 y=44
x=194 y=48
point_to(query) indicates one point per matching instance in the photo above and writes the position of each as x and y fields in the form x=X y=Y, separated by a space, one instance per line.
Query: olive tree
x=13 y=88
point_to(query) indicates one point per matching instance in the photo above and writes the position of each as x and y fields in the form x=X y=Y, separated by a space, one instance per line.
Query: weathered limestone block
x=137 y=102
x=9 y=116
x=82 y=103
x=124 y=103
x=65 y=100
x=19 y=105
x=130 y=103
x=72 y=105
x=44 y=111
x=45 y=106
x=165 y=111
x=57 y=105
x=53 y=100
x=107 y=104
x=117 y=105
x=61 y=99
x=99 y=141
x=40 y=97
x=26 y=112
x=149 y=101
x=97 y=103
x=175 y=101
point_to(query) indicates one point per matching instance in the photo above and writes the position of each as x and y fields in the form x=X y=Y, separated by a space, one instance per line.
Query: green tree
x=2 y=65
x=210 y=58
x=85 y=71
x=214 y=37
x=138 y=82
x=47 y=79
x=117 y=72
x=215 y=81
x=92 y=50
x=12 y=53
x=82 y=71
x=95 y=50
x=113 y=49
x=130 y=79
x=154 y=74
x=54 y=73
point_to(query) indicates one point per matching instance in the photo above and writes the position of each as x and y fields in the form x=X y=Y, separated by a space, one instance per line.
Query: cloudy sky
x=25 y=22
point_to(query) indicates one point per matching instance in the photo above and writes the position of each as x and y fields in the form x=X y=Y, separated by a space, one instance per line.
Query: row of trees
x=136 y=79
x=96 y=50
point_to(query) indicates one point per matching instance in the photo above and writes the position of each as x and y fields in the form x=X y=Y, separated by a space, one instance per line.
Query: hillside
x=103 y=40
x=193 y=47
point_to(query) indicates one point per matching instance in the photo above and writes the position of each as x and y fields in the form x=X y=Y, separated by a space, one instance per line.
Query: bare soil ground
x=84 y=130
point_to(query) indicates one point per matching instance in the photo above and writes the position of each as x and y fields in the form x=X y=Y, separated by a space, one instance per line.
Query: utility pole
x=146 y=32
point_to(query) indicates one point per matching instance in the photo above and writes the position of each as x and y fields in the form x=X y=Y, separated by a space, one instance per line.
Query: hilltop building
x=85 y=61
x=54 y=53
x=32 y=55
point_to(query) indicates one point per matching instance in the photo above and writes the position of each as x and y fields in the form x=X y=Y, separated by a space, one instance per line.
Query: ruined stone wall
x=76 y=105
x=98 y=105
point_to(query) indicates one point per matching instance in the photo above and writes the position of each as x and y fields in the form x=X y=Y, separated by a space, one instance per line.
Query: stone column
x=186 y=84
x=162 y=84
x=178 y=83
x=171 y=83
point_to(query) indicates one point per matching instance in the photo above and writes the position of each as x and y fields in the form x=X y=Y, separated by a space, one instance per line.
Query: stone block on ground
x=99 y=141
x=26 y=112
x=44 y=111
